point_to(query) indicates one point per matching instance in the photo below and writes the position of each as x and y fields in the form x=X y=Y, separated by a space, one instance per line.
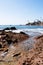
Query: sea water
x=31 y=30
x=21 y=26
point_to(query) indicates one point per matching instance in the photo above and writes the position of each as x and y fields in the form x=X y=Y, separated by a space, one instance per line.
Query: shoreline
x=24 y=49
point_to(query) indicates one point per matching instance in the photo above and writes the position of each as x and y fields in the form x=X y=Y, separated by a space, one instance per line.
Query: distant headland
x=38 y=22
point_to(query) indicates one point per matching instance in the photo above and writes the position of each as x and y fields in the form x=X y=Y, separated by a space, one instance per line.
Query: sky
x=15 y=12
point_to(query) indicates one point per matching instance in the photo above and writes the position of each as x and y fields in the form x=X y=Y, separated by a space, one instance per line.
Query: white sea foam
x=17 y=31
x=28 y=30
x=32 y=32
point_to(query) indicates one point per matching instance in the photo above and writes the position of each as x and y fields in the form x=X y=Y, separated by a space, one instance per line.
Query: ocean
x=31 y=30
x=21 y=26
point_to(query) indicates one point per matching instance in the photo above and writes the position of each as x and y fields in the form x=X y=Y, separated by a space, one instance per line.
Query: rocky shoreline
x=36 y=23
x=8 y=38
x=14 y=50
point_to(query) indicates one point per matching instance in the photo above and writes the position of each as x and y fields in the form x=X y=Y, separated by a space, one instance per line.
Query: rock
x=0 y=45
x=15 y=41
x=11 y=46
x=7 y=28
x=38 y=37
x=38 y=22
x=39 y=43
x=22 y=33
x=6 y=50
x=9 y=41
x=2 y=32
x=13 y=28
x=10 y=28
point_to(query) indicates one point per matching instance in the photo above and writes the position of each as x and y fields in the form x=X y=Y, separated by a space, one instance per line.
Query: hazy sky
x=20 y=11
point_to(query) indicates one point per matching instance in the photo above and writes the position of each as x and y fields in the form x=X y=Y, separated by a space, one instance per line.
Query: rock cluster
x=17 y=55
x=10 y=28
x=35 y=55
x=38 y=22
x=7 y=38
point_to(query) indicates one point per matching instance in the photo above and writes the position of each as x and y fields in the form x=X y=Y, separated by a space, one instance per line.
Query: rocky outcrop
x=13 y=28
x=10 y=28
x=35 y=55
x=8 y=38
x=22 y=32
x=16 y=54
x=7 y=28
x=39 y=23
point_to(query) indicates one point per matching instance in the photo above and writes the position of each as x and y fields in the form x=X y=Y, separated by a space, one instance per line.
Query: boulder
x=7 y=28
x=10 y=28
x=22 y=32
